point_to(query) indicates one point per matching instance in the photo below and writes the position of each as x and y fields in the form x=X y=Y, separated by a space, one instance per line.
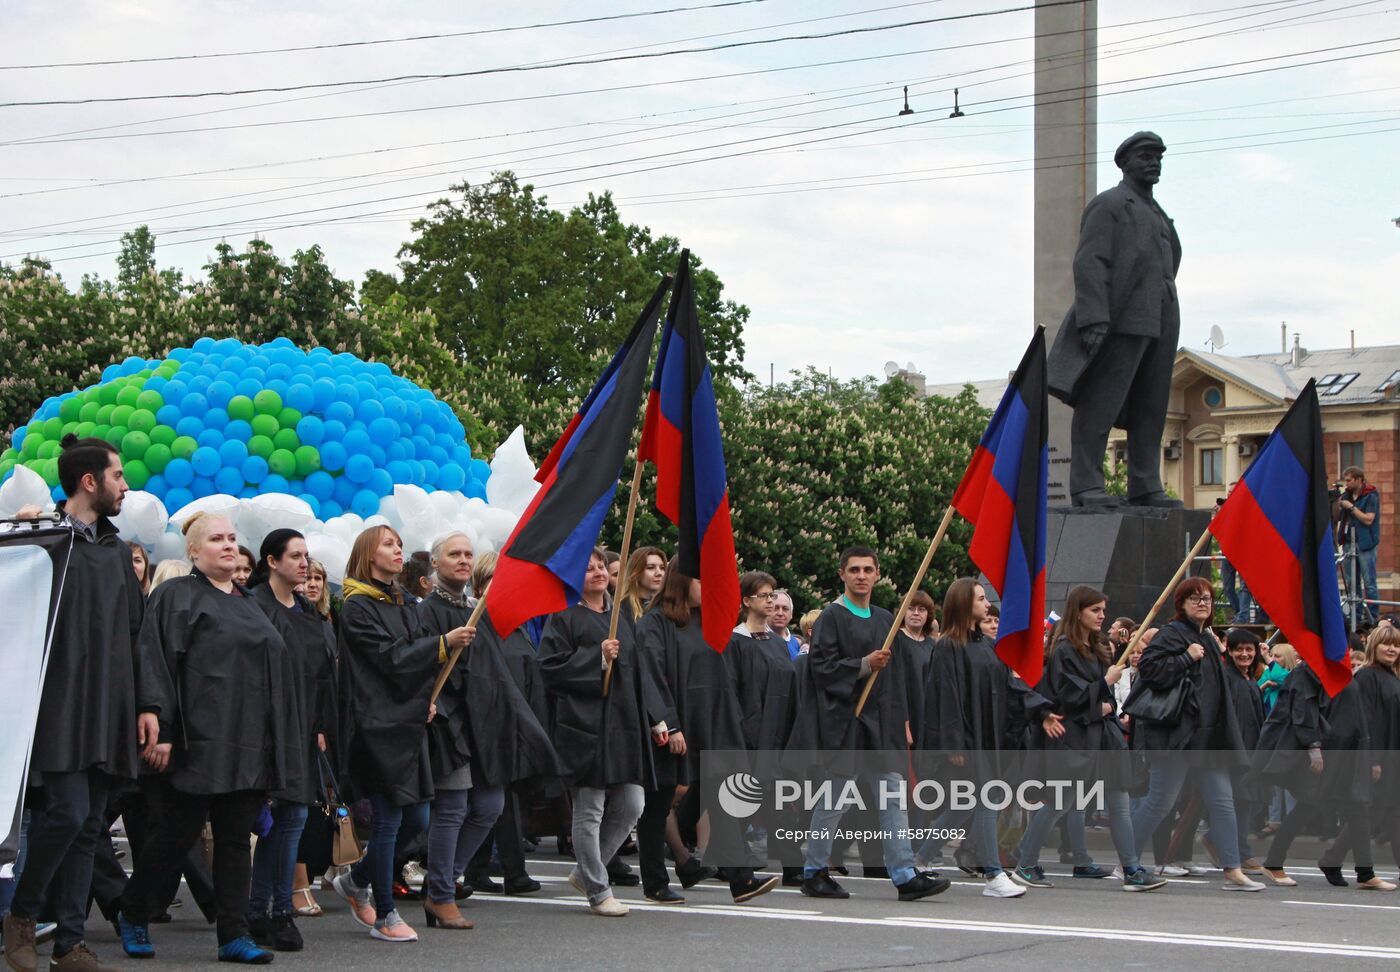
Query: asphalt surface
x=1191 y=924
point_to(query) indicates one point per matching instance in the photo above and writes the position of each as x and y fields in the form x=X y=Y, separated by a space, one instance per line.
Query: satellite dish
x=911 y=367
x=1217 y=337
x=891 y=368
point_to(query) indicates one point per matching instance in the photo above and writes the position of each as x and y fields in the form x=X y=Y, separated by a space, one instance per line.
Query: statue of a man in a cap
x=1113 y=357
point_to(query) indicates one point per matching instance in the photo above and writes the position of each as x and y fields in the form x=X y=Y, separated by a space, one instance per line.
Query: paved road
x=1080 y=923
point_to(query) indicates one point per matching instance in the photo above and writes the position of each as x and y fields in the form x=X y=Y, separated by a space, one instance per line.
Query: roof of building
x=1344 y=376
x=989 y=392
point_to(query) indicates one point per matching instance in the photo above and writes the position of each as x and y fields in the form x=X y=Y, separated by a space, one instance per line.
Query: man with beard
x=87 y=737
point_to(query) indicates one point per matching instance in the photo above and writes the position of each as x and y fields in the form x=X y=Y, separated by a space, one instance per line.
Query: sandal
x=1279 y=876
x=309 y=909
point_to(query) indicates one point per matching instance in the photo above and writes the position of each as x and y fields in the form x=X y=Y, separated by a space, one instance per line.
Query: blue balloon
x=155 y=383
x=341 y=412
x=202 y=486
x=132 y=364
x=204 y=345
x=330 y=509
x=176 y=497
x=357 y=441
x=300 y=397
x=334 y=431
x=190 y=426
x=232 y=453
x=111 y=371
x=380 y=483
x=344 y=491
x=420 y=447
x=369 y=409
x=179 y=472
x=279 y=385
x=273 y=484
x=462 y=456
x=215 y=418
x=247 y=492
x=248 y=386
x=379 y=456
x=324 y=391
x=279 y=369
x=311 y=430
x=452 y=477
x=179 y=354
x=430 y=472
x=333 y=456
x=398 y=450
x=367 y=390
x=219 y=393
x=365 y=503
x=383 y=431
x=17 y=439
x=475 y=488
x=480 y=469
x=229 y=480
x=194 y=404
x=238 y=430
x=413 y=412
x=320 y=484
x=394 y=408
x=173 y=392
x=439 y=455
x=210 y=438
x=199 y=384
x=254 y=469
x=358 y=468
x=206 y=461
x=157 y=485
x=347 y=394
x=57 y=494
x=416 y=472
x=296 y=486
x=399 y=472
x=312 y=502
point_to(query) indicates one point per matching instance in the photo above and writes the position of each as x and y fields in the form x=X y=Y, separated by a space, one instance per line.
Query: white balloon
x=219 y=504
x=142 y=519
x=446 y=504
x=389 y=510
x=168 y=546
x=260 y=515
x=24 y=488
x=511 y=485
x=376 y=520
x=332 y=552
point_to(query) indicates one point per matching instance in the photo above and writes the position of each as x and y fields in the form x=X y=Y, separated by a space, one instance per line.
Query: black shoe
x=753 y=887
x=820 y=885
x=260 y=930
x=463 y=890
x=1334 y=876
x=484 y=882
x=522 y=885
x=163 y=918
x=529 y=845
x=792 y=877
x=623 y=879
x=692 y=872
x=922 y=885
x=629 y=847
x=875 y=872
x=840 y=869
x=285 y=935
x=665 y=896
x=564 y=845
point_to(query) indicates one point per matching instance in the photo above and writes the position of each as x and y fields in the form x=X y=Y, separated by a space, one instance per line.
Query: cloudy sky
x=853 y=234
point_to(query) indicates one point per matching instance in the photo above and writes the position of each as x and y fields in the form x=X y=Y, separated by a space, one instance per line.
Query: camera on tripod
x=1336 y=491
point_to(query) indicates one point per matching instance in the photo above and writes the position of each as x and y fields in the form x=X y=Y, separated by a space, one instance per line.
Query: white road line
x=1136 y=936
x=1343 y=904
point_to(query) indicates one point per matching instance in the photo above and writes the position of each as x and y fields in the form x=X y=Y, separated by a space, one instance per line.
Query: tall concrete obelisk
x=1066 y=143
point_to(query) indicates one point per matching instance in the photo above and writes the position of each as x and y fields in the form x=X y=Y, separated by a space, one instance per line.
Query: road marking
x=1136 y=936
x=1343 y=904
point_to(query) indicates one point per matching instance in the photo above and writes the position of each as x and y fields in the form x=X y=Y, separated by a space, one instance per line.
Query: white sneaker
x=1193 y=869
x=1171 y=870
x=1245 y=885
x=414 y=874
x=1117 y=874
x=609 y=907
x=1002 y=886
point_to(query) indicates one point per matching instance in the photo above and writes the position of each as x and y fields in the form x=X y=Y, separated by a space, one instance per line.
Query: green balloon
x=168 y=369
x=136 y=473
x=50 y=471
x=308 y=460
x=141 y=421
x=116 y=435
x=134 y=445
x=71 y=408
x=240 y=407
x=260 y=445
x=53 y=428
x=107 y=394
x=283 y=463
x=48 y=449
x=5 y=466
x=183 y=447
x=267 y=402
x=10 y=455
x=286 y=439
x=84 y=429
x=151 y=401
x=163 y=434
x=88 y=413
x=104 y=414
x=288 y=418
x=122 y=414
x=265 y=425
x=157 y=457
x=90 y=395
x=69 y=428
x=100 y=431
x=32 y=442
x=128 y=395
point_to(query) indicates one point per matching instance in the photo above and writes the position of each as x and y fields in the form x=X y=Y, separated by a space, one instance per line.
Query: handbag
x=1160 y=705
x=345 y=843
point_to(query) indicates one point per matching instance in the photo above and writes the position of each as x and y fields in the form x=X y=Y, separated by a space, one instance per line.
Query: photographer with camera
x=1360 y=523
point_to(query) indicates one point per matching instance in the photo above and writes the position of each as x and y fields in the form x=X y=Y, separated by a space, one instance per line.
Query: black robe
x=1093 y=747
x=601 y=741
x=387 y=669
x=87 y=713
x=311 y=641
x=487 y=713
x=224 y=685
x=700 y=685
x=1304 y=717
x=765 y=680
x=1208 y=722
x=974 y=704
x=840 y=641
x=1248 y=700
x=914 y=659
x=1380 y=696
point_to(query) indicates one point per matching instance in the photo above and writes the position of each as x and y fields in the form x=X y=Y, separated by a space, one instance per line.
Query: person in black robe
x=846 y=654
x=281 y=568
x=913 y=651
x=86 y=741
x=1245 y=667
x=219 y=678
x=1079 y=679
x=975 y=713
x=387 y=669
x=604 y=741
x=1203 y=741
x=703 y=715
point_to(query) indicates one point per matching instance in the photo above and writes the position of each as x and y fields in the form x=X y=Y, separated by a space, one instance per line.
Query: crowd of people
x=254 y=734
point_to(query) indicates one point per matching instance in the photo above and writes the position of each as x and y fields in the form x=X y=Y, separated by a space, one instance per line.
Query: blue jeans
x=1120 y=828
x=376 y=869
x=1166 y=775
x=1366 y=563
x=275 y=861
x=1244 y=809
x=461 y=820
x=1281 y=804
x=7 y=885
x=894 y=819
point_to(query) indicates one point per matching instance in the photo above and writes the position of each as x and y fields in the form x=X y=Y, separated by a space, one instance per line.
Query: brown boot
x=20 y=953
x=445 y=915
x=79 y=959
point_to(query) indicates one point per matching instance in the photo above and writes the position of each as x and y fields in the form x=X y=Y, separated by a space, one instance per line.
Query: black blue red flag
x=541 y=566
x=1003 y=494
x=682 y=438
x=1276 y=529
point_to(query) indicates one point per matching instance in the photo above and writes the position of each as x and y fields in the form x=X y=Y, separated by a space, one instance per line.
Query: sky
x=855 y=235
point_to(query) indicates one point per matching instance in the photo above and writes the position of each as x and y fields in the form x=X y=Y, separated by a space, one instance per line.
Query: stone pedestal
x=1129 y=553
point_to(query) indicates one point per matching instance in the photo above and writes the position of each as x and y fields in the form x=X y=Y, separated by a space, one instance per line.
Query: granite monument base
x=1129 y=553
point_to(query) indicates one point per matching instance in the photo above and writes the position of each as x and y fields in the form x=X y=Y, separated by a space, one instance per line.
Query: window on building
x=1213 y=396
x=1212 y=466
x=1335 y=384
x=1352 y=454
x=1394 y=377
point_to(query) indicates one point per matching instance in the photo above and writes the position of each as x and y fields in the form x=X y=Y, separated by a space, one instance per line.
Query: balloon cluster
x=223 y=417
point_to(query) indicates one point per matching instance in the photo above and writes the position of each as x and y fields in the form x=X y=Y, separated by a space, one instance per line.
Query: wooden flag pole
x=904 y=605
x=1162 y=599
x=622 y=575
x=456 y=652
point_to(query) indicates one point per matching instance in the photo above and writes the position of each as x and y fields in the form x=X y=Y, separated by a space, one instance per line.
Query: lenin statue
x=1112 y=359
